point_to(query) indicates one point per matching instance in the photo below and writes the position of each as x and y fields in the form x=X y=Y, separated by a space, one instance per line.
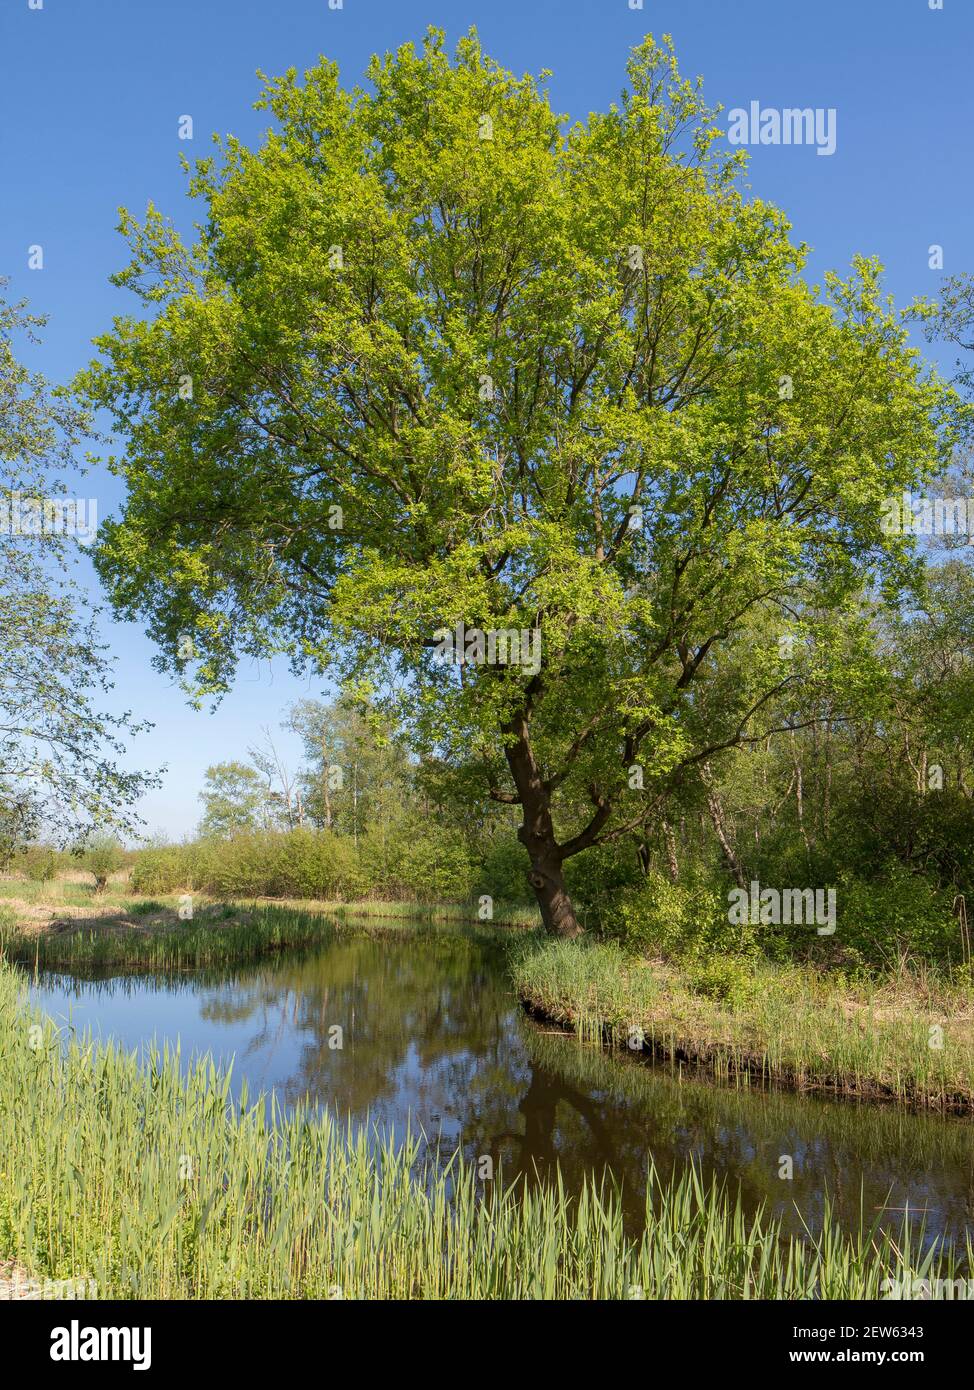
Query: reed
x=140 y=933
x=892 y=1040
x=220 y=938
x=147 y=1177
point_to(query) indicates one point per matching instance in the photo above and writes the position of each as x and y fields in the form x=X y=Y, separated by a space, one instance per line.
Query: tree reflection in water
x=433 y=1040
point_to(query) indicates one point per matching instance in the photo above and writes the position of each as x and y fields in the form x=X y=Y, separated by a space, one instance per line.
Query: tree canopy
x=437 y=357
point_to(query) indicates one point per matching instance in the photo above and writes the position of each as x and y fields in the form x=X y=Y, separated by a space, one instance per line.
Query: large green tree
x=437 y=357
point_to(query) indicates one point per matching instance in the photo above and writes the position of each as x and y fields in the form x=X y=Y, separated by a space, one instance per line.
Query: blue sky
x=93 y=90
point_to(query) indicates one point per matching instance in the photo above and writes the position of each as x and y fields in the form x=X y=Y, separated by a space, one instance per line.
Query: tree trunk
x=324 y=783
x=800 y=799
x=557 y=911
x=716 y=811
x=672 y=862
x=537 y=835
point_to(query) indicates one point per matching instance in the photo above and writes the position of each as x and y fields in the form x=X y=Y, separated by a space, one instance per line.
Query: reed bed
x=149 y=1179
x=795 y=1028
x=147 y=934
x=212 y=943
x=213 y=940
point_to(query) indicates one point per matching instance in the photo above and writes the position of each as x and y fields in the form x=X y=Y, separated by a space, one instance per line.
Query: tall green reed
x=147 y=1176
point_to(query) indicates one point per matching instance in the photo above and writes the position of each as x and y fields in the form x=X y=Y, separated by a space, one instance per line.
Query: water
x=432 y=1038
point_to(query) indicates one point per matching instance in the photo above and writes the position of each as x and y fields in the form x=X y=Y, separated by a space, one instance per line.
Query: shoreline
x=141 y=1227
x=720 y=1067
x=794 y=1031
x=825 y=1046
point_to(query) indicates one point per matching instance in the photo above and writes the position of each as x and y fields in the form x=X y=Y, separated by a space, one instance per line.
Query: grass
x=504 y=915
x=77 y=891
x=156 y=1184
x=74 y=890
x=149 y=935
x=792 y=1025
x=216 y=936
x=64 y=924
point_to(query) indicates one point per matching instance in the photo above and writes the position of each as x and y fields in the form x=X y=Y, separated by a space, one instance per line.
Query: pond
x=431 y=1037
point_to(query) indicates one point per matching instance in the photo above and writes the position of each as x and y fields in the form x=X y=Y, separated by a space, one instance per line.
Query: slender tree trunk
x=717 y=820
x=800 y=799
x=671 y=859
x=537 y=835
x=827 y=798
x=324 y=783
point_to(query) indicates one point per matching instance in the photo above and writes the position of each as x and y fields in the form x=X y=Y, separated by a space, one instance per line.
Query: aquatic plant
x=151 y=1180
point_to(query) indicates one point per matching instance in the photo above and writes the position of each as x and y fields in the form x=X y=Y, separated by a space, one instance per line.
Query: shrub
x=728 y=978
x=309 y=864
x=422 y=860
x=901 y=913
x=602 y=872
x=40 y=864
x=298 y=863
x=505 y=871
x=165 y=870
x=102 y=856
x=438 y=866
x=686 y=920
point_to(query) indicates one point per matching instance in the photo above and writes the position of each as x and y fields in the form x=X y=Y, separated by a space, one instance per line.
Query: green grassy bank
x=150 y=936
x=908 y=1037
x=156 y=1185
x=68 y=926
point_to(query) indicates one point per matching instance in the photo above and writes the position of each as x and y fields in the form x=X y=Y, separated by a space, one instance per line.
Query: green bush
x=166 y=870
x=147 y=875
x=306 y=864
x=40 y=864
x=899 y=914
x=298 y=863
x=601 y=873
x=685 y=920
x=729 y=978
x=422 y=860
x=505 y=871
x=102 y=856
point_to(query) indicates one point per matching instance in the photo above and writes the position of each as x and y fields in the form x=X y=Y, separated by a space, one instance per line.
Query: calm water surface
x=434 y=1039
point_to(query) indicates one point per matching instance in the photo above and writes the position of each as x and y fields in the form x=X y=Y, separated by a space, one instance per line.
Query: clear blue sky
x=92 y=91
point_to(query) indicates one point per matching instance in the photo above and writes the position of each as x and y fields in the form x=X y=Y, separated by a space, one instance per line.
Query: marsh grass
x=155 y=1183
x=65 y=924
x=794 y=1026
x=220 y=934
x=217 y=937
